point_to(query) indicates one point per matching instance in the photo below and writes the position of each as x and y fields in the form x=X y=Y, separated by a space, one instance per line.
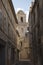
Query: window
x=28 y=28
x=26 y=34
x=21 y=43
x=21 y=19
x=17 y=33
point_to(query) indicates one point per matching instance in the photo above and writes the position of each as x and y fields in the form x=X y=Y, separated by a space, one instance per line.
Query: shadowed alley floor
x=23 y=63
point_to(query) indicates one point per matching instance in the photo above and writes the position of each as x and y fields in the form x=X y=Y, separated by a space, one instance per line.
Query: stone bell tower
x=22 y=29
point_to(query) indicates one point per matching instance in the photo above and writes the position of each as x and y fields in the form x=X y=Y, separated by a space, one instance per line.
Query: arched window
x=21 y=19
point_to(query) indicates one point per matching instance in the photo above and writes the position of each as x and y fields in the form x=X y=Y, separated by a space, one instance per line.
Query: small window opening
x=21 y=19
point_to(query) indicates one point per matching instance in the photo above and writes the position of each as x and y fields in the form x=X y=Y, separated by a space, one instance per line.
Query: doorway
x=2 y=54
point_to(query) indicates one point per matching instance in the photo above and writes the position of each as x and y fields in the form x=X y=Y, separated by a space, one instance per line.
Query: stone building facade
x=8 y=35
x=36 y=32
x=23 y=42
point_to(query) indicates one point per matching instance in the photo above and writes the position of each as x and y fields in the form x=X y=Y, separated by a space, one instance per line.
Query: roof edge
x=12 y=8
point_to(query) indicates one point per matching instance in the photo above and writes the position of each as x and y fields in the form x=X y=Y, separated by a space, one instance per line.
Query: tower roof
x=21 y=11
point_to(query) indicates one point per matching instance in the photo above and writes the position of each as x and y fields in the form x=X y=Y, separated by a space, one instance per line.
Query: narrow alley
x=21 y=32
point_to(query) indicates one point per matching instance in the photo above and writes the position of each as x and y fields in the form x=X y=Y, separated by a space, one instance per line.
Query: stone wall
x=8 y=35
x=36 y=32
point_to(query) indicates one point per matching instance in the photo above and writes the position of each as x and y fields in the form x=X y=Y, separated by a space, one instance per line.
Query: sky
x=22 y=5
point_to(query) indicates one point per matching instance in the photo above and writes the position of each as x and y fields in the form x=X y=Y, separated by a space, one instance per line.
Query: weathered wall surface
x=8 y=35
x=36 y=32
